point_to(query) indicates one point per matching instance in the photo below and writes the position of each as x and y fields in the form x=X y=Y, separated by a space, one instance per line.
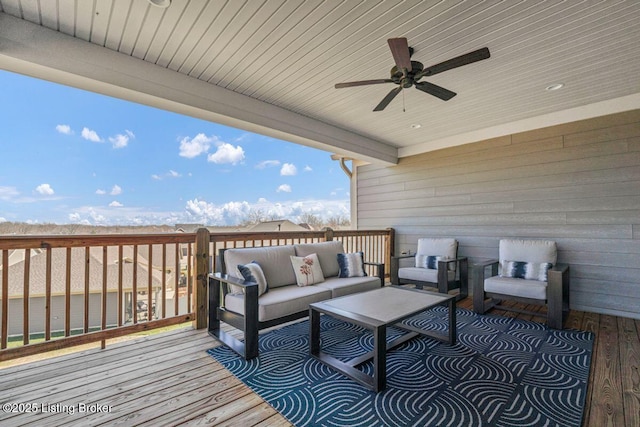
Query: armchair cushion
x=422 y=274
x=526 y=270
x=534 y=251
x=444 y=248
x=307 y=269
x=516 y=287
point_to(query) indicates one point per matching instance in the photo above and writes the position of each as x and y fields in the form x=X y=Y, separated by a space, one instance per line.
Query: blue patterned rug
x=502 y=372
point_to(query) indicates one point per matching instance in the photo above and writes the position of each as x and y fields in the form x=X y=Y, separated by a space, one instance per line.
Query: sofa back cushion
x=327 y=254
x=274 y=260
x=527 y=251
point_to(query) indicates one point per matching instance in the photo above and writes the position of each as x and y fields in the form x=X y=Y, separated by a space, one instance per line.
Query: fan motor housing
x=399 y=78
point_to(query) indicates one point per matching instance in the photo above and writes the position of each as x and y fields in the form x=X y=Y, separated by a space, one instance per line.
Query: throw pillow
x=428 y=261
x=252 y=272
x=351 y=265
x=526 y=270
x=307 y=269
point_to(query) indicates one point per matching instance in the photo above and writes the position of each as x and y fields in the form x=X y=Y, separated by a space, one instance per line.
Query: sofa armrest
x=379 y=270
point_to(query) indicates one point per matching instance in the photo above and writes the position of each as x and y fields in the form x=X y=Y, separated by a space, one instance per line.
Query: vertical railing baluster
x=67 y=294
x=120 y=296
x=47 y=296
x=177 y=281
x=189 y=288
x=87 y=258
x=103 y=313
x=5 y=300
x=25 y=295
x=134 y=286
x=164 y=280
x=149 y=282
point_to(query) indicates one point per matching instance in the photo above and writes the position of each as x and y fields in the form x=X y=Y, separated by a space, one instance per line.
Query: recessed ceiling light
x=554 y=86
x=160 y=3
x=415 y=126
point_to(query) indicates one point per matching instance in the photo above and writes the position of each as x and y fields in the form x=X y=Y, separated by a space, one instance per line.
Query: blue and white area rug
x=502 y=372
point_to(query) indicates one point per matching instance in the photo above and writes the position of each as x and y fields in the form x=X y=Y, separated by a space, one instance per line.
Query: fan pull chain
x=403 y=105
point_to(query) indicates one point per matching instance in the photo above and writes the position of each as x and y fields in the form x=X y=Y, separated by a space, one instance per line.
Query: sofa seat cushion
x=351 y=285
x=516 y=287
x=327 y=254
x=281 y=301
x=422 y=274
x=271 y=259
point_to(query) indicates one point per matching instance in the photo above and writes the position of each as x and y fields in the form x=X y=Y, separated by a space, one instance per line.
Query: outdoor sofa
x=258 y=288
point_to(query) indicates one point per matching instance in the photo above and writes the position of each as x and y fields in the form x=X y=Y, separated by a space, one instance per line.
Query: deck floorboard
x=168 y=379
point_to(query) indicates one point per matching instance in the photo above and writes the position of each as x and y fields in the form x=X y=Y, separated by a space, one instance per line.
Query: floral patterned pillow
x=307 y=269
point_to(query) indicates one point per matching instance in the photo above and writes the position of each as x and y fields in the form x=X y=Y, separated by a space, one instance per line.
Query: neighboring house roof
x=188 y=228
x=37 y=271
x=278 y=225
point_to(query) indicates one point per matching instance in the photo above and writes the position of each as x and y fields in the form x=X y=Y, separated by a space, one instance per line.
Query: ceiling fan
x=407 y=73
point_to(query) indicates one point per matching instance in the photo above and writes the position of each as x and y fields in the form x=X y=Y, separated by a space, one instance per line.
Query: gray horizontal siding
x=577 y=184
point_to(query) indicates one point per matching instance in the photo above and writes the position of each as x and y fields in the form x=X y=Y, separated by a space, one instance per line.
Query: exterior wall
x=577 y=184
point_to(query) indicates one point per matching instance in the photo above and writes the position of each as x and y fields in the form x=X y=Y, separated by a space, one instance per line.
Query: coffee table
x=375 y=310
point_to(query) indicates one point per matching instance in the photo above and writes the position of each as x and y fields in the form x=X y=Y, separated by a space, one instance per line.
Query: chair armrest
x=379 y=270
x=404 y=256
x=249 y=288
x=395 y=264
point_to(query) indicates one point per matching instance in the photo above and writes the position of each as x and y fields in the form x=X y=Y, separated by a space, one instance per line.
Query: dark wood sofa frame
x=247 y=323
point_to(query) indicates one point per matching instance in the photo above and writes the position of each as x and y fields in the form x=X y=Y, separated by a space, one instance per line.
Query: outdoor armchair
x=435 y=264
x=527 y=272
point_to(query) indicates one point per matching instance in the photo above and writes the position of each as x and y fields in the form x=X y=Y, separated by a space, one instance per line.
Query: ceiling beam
x=33 y=50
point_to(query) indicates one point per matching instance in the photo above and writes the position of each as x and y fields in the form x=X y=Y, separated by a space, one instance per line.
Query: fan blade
x=476 y=55
x=435 y=90
x=400 y=51
x=363 y=83
x=387 y=99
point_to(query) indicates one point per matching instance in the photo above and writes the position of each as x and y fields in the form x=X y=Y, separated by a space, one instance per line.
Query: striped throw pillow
x=351 y=265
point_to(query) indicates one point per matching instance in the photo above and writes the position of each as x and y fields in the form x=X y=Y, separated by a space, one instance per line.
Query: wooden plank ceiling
x=290 y=53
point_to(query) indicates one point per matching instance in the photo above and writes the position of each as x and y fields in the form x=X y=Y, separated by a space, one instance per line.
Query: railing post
x=202 y=278
x=328 y=234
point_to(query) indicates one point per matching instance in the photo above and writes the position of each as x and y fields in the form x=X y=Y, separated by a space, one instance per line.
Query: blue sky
x=71 y=156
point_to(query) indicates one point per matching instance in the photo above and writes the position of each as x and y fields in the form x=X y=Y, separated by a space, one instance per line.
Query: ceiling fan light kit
x=407 y=73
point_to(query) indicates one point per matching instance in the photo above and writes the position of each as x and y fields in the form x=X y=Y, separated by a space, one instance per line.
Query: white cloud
x=286 y=188
x=116 y=190
x=200 y=144
x=227 y=153
x=90 y=135
x=45 y=190
x=64 y=129
x=7 y=193
x=267 y=164
x=307 y=168
x=2 y=219
x=288 y=169
x=121 y=140
x=170 y=174
x=100 y=192
x=235 y=212
x=115 y=204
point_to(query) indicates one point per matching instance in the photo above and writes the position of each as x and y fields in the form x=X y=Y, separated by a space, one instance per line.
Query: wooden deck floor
x=168 y=379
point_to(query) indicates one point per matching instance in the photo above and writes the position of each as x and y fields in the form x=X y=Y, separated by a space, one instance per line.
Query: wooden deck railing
x=62 y=291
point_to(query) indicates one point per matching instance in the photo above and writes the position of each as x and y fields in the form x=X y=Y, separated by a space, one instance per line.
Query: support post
x=202 y=279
